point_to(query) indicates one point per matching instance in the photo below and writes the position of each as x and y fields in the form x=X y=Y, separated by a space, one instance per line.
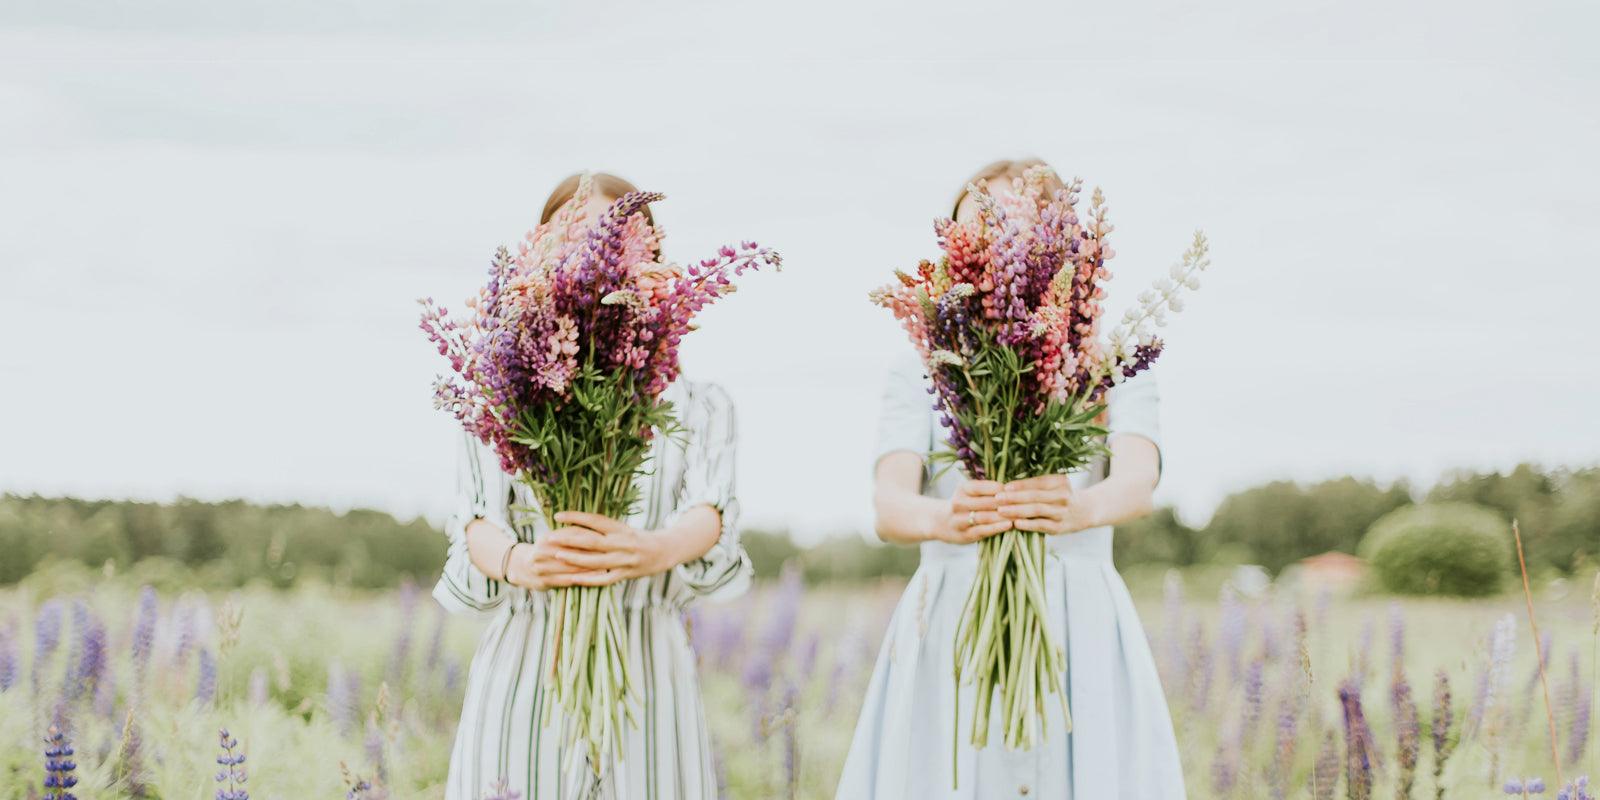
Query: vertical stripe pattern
x=667 y=755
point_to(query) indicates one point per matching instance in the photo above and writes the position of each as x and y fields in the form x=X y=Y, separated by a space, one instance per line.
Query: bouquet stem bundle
x=560 y=369
x=1007 y=324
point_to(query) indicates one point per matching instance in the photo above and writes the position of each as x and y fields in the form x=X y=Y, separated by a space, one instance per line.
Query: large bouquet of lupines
x=1008 y=326
x=559 y=368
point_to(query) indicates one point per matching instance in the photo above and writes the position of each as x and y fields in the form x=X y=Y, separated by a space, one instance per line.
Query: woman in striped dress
x=1121 y=746
x=679 y=545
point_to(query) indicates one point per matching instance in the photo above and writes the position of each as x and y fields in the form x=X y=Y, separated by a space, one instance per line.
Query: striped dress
x=667 y=755
x=1121 y=746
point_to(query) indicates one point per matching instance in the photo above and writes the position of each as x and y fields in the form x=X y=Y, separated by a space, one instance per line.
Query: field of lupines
x=126 y=692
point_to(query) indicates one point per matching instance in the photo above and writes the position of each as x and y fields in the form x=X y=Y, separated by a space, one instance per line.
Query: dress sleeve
x=1134 y=407
x=724 y=571
x=905 y=417
x=481 y=491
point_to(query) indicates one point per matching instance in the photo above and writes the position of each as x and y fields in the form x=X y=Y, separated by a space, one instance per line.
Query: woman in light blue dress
x=1121 y=746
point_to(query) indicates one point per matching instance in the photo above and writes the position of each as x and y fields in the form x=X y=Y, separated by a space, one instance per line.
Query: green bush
x=1440 y=548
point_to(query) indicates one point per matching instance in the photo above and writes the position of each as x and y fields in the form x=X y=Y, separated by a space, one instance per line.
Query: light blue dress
x=1122 y=744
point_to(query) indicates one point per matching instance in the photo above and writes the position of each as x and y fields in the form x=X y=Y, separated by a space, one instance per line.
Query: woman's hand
x=1046 y=504
x=590 y=550
x=972 y=514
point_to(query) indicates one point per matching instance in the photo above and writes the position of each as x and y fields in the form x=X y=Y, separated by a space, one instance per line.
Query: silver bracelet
x=505 y=561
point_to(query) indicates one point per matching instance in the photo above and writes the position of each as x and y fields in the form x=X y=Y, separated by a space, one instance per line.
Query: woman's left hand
x=600 y=543
x=1046 y=504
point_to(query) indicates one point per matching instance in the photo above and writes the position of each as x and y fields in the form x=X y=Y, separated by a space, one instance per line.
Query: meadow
x=332 y=693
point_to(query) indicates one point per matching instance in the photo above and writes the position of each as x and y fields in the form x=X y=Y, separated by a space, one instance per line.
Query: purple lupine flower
x=1201 y=668
x=205 y=687
x=186 y=619
x=452 y=675
x=1397 y=638
x=8 y=658
x=1283 y=751
x=105 y=696
x=1232 y=630
x=375 y=747
x=400 y=656
x=1363 y=665
x=1360 y=752
x=1576 y=790
x=791 y=738
x=59 y=767
x=343 y=696
x=1443 y=720
x=1408 y=733
x=1524 y=786
x=46 y=636
x=144 y=629
x=1225 y=767
x=90 y=661
x=436 y=641
x=1325 y=770
x=231 y=778
x=1253 y=699
x=1172 y=623
x=773 y=644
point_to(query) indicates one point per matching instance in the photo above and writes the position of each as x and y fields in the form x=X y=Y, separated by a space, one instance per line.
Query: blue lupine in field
x=1283 y=750
x=772 y=646
x=1523 y=787
x=231 y=778
x=1397 y=638
x=144 y=629
x=1576 y=790
x=791 y=739
x=400 y=656
x=90 y=663
x=344 y=695
x=1407 y=732
x=8 y=659
x=205 y=688
x=1201 y=668
x=46 y=636
x=1360 y=750
x=1253 y=699
x=1325 y=770
x=1576 y=699
x=1444 y=715
x=1232 y=630
x=59 y=767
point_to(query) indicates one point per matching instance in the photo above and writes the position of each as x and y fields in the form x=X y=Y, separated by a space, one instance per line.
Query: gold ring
x=972 y=518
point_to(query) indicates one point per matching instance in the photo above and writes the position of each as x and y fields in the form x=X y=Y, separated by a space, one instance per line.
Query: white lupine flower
x=961 y=290
x=1194 y=283
x=1175 y=303
x=1164 y=285
x=1177 y=271
x=1146 y=296
x=945 y=358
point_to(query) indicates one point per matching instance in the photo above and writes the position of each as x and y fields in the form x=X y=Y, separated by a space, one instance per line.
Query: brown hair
x=604 y=183
x=1006 y=168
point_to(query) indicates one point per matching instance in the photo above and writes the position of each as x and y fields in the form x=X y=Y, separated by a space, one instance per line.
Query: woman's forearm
x=688 y=538
x=1127 y=492
x=486 y=547
x=902 y=514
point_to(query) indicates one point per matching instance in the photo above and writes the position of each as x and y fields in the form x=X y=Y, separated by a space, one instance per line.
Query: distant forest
x=194 y=543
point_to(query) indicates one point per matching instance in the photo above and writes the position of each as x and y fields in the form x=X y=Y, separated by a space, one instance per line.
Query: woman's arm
x=905 y=516
x=1049 y=504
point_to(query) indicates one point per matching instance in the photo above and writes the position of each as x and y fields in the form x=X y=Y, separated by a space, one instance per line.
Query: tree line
x=1275 y=524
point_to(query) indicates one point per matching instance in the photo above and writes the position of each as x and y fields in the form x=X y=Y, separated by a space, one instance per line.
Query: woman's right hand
x=972 y=515
x=539 y=565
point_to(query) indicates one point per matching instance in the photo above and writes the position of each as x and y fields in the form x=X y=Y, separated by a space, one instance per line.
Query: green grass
x=287 y=639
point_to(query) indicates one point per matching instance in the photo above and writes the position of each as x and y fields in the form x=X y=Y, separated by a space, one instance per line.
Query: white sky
x=214 y=219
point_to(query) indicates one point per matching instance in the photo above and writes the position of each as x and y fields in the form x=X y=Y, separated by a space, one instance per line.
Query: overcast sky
x=215 y=217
